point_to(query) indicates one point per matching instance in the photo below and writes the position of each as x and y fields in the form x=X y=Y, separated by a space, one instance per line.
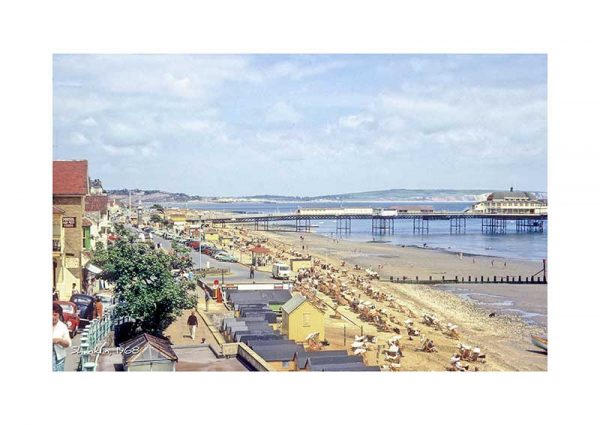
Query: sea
x=510 y=245
x=528 y=303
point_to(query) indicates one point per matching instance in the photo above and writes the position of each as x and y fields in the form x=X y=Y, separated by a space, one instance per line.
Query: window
x=306 y=319
x=285 y=364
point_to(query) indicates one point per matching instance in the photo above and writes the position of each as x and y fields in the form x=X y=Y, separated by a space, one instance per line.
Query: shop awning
x=93 y=269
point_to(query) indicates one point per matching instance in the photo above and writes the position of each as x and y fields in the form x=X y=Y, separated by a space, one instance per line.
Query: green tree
x=144 y=285
x=155 y=218
x=158 y=208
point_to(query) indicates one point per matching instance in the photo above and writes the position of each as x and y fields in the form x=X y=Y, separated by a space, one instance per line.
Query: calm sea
x=530 y=246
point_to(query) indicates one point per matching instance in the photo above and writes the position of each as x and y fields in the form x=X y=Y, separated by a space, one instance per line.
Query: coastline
x=505 y=337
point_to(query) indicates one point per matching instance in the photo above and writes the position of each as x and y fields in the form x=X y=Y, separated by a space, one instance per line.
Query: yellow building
x=299 y=319
x=211 y=235
x=58 y=249
x=300 y=263
x=69 y=189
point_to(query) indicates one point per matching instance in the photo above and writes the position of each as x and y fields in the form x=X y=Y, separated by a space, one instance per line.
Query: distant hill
x=391 y=195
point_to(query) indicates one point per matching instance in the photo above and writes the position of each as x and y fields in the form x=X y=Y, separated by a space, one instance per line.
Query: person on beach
x=60 y=339
x=492 y=263
x=192 y=323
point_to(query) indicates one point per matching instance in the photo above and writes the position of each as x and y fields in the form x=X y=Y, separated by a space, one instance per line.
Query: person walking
x=98 y=308
x=251 y=272
x=206 y=298
x=60 y=339
x=192 y=322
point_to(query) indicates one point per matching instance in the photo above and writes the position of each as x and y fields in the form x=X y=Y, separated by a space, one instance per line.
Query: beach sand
x=505 y=339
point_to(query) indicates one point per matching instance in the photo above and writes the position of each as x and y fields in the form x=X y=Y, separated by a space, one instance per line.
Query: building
x=69 y=189
x=279 y=353
x=97 y=211
x=511 y=202
x=58 y=249
x=413 y=209
x=299 y=318
x=147 y=353
x=211 y=235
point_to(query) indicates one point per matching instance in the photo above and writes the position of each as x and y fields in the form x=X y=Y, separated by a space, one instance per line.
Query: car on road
x=223 y=256
x=281 y=271
x=70 y=316
x=85 y=305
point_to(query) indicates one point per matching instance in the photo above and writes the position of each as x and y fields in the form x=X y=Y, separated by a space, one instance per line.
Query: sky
x=304 y=125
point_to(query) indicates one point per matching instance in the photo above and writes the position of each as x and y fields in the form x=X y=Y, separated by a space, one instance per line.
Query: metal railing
x=93 y=340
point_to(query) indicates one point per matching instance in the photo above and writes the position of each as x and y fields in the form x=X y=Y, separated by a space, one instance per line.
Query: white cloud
x=89 y=122
x=78 y=139
x=355 y=121
x=283 y=112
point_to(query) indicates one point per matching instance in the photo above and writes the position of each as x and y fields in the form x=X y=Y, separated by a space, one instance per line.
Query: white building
x=511 y=202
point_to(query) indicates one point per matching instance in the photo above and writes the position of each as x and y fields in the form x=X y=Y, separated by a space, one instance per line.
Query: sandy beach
x=505 y=338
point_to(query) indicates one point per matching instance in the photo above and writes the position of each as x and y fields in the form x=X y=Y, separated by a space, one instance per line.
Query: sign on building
x=71 y=262
x=69 y=222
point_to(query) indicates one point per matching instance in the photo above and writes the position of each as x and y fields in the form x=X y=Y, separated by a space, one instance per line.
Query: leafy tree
x=158 y=207
x=155 y=218
x=144 y=285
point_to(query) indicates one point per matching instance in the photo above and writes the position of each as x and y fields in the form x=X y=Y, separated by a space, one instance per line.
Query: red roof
x=56 y=210
x=96 y=203
x=86 y=222
x=260 y=250
x=70 y=177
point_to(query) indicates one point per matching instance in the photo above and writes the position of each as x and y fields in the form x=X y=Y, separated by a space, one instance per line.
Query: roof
x=260 y=250
x=274 y=296
x=146 y=347
x=314 y=361
x=96 y=203
x=511 y=194
x=86 y=222
x=303 y=357
x=284 y=351
x=348 y=367
x=412 y=207
x=293 y=303
x=70 y=177
x=56 y=210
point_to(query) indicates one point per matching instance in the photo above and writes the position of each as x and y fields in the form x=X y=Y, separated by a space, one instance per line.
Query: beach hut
x=299 y=319
x=147 y=353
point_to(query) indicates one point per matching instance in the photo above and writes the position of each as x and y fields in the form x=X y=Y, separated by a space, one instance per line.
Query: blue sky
x=228 y=125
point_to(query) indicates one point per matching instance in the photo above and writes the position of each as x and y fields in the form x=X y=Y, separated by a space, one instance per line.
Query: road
x=239 y=273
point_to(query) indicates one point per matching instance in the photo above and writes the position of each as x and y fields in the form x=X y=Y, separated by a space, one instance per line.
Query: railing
x=93 y=341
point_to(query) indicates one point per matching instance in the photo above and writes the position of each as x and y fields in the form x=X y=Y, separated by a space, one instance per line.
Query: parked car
x=195 y=245
x=85 y=305
x=70 y=316
x=223 y=256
